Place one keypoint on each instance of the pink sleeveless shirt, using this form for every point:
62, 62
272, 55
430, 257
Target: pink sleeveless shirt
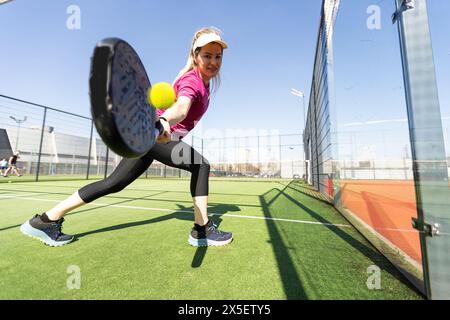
190, 85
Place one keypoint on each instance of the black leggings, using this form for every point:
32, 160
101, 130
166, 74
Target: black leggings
174, 154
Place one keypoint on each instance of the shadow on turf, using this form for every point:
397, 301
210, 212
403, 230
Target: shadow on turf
180, 214
291, 281
86, 210
218, 209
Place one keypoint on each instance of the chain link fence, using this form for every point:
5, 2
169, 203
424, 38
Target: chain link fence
55, 144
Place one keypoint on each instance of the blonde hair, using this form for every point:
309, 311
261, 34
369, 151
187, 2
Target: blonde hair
190, 64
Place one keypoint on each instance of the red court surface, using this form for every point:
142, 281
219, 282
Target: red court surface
388, 207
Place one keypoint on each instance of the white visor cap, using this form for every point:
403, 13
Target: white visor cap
206, 38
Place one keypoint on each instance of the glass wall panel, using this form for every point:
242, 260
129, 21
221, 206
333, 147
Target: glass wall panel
374, 178
427, 142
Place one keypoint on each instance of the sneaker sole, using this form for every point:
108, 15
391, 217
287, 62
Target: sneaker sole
28, 230
207, 243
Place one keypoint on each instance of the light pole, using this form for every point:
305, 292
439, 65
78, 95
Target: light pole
19, 122
300, 94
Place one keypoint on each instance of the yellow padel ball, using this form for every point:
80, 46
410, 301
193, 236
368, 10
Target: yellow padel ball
161, 95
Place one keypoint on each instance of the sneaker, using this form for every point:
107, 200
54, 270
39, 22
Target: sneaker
48, 232
209, 236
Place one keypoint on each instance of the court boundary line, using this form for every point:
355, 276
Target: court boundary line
187, 211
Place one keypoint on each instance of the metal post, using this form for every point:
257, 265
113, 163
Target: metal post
202, 147
316, 142
106, 162
259, 165
236, 160
73, 164
40, 146
17, 138
279, 151
304, 117
90, 150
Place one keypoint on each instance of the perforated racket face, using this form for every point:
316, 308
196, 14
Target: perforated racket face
133, 116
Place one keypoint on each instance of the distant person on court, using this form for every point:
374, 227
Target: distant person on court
3, 166
192, 86
12, 165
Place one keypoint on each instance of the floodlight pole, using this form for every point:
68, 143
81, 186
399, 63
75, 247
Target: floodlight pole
300, 94
19, 122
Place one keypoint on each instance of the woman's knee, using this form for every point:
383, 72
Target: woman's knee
203, 166
99, 189
114, 186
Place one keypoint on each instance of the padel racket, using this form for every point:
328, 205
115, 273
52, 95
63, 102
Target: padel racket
118, 86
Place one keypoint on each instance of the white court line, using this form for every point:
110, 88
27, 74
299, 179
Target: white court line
18, 195
280, 219
188, 211
211, 214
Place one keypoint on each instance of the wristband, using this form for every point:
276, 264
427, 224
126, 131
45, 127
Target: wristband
159, 127
164, 119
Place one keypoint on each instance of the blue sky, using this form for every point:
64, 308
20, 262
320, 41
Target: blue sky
272, 46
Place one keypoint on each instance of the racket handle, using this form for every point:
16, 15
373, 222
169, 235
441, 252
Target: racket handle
159, 129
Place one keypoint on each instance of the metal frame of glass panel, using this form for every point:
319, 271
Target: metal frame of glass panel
427, 145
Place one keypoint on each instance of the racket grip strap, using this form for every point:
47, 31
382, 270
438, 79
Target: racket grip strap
159, 129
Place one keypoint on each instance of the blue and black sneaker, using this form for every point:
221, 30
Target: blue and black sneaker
209, 235
48, 232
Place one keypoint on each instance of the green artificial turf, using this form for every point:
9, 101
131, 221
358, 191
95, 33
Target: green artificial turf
133, 245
